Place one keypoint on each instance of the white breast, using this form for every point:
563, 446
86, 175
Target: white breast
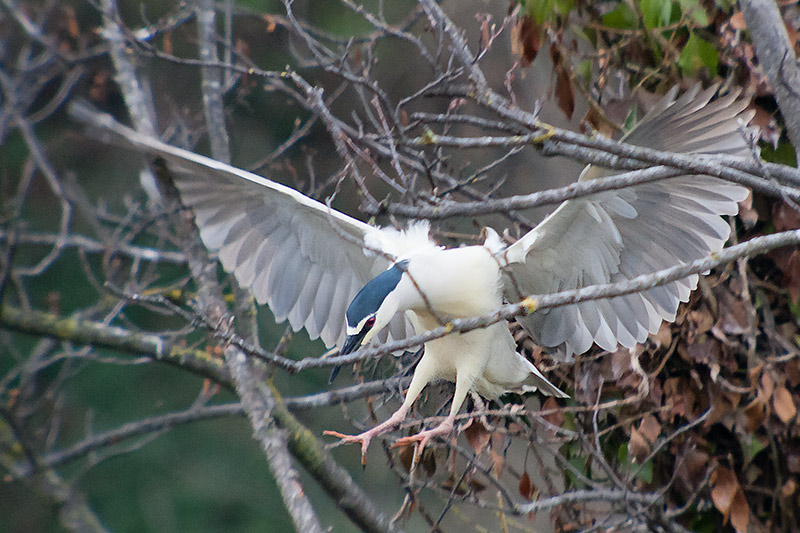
460, 282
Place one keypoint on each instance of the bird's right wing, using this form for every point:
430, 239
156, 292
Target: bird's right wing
296, 255
621, 234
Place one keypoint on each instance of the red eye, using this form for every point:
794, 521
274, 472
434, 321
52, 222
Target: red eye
370, 322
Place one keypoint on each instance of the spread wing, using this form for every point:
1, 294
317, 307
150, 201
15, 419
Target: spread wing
302, 259
617, 235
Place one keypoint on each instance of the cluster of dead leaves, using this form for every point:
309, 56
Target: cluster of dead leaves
484, 441
527, 37
714, 397
654, 55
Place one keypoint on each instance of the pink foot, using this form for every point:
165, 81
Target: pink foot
363, 438
423, 437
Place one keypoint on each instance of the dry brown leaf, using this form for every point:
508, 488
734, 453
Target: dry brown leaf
789, 488
754, 415
477, 436
737, 21
724, 487
783, 404
565, 94
785, 217
620, 363
477, 485
692, 466
733, 318
729, 499
271, 23
485, 34
747, 213
526, 488
740, 511
754, 375
650, 428
428, 461
406, 454
498, 461
721, 406
526, 39
792, 372
450, 484
700, 321
664, 336
791, 275
677, 394
599, 122
793, 464
766, 385
638, 445
73, 28
556, 416
706, 353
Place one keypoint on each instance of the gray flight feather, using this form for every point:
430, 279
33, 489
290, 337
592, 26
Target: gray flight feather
617, 235
305, 261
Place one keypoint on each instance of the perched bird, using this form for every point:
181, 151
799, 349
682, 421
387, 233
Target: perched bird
308, 262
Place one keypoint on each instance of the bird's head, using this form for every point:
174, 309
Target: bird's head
373, 307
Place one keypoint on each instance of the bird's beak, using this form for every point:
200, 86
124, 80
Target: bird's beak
351, 344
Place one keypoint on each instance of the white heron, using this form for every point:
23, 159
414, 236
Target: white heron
290, 251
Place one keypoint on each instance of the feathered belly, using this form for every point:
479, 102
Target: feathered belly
487, 356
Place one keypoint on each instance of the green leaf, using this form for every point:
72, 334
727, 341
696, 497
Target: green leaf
645, 471
631, 119
579, 463
541, 10
622, 18
656, 13
625, 460
784, 154
794, 307
564, 6
697, 54
695, 11
751, 445
584, 70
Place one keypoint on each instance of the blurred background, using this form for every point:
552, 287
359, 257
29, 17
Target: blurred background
58, 178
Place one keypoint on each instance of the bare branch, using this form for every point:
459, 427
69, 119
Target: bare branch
777, 58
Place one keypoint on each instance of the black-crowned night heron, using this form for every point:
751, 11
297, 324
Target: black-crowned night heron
290, 251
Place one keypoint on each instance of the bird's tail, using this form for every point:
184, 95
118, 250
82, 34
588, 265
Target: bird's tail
537, 381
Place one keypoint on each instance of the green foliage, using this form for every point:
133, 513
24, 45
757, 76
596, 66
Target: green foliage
694, 11
656, 13
622, 17
751, 446
784, 154
546, 10
698, 53
628, 464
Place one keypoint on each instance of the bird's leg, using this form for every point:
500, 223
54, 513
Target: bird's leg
463, 384
422, 375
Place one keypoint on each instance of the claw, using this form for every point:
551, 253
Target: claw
363, 438
367, 436
423, 437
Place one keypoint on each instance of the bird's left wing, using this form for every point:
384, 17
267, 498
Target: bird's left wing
296, 255
618, 235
